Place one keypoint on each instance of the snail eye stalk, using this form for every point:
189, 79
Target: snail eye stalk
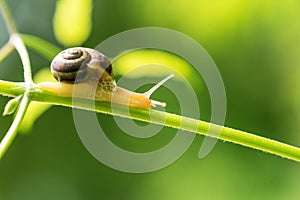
154, 88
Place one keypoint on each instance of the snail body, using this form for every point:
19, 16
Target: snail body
87, 73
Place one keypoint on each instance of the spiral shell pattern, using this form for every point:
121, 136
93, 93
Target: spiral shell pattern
70, 65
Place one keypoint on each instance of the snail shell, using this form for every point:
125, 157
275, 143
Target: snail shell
87, 73
71, 65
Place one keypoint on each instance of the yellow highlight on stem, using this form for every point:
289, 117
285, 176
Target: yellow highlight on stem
72, 21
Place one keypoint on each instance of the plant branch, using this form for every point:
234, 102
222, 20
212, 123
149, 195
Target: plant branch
8, 19
6, 50
17, 41
13, 130
159, 117
12, 89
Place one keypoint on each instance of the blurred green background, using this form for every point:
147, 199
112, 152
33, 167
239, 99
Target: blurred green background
255, 45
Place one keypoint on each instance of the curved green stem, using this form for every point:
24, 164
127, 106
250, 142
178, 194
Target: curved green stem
19, 45
13, 130
159, 117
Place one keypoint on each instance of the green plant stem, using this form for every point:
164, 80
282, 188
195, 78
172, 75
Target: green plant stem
17, 41
13, 130
11, 89
8, 19
6, 50
159, 117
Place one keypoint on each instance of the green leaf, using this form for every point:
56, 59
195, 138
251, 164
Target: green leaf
72, 21
12, 106
160, 60
41, 46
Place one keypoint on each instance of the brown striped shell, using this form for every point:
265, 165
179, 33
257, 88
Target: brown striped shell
72, 65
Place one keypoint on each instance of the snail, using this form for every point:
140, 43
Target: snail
87, 73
